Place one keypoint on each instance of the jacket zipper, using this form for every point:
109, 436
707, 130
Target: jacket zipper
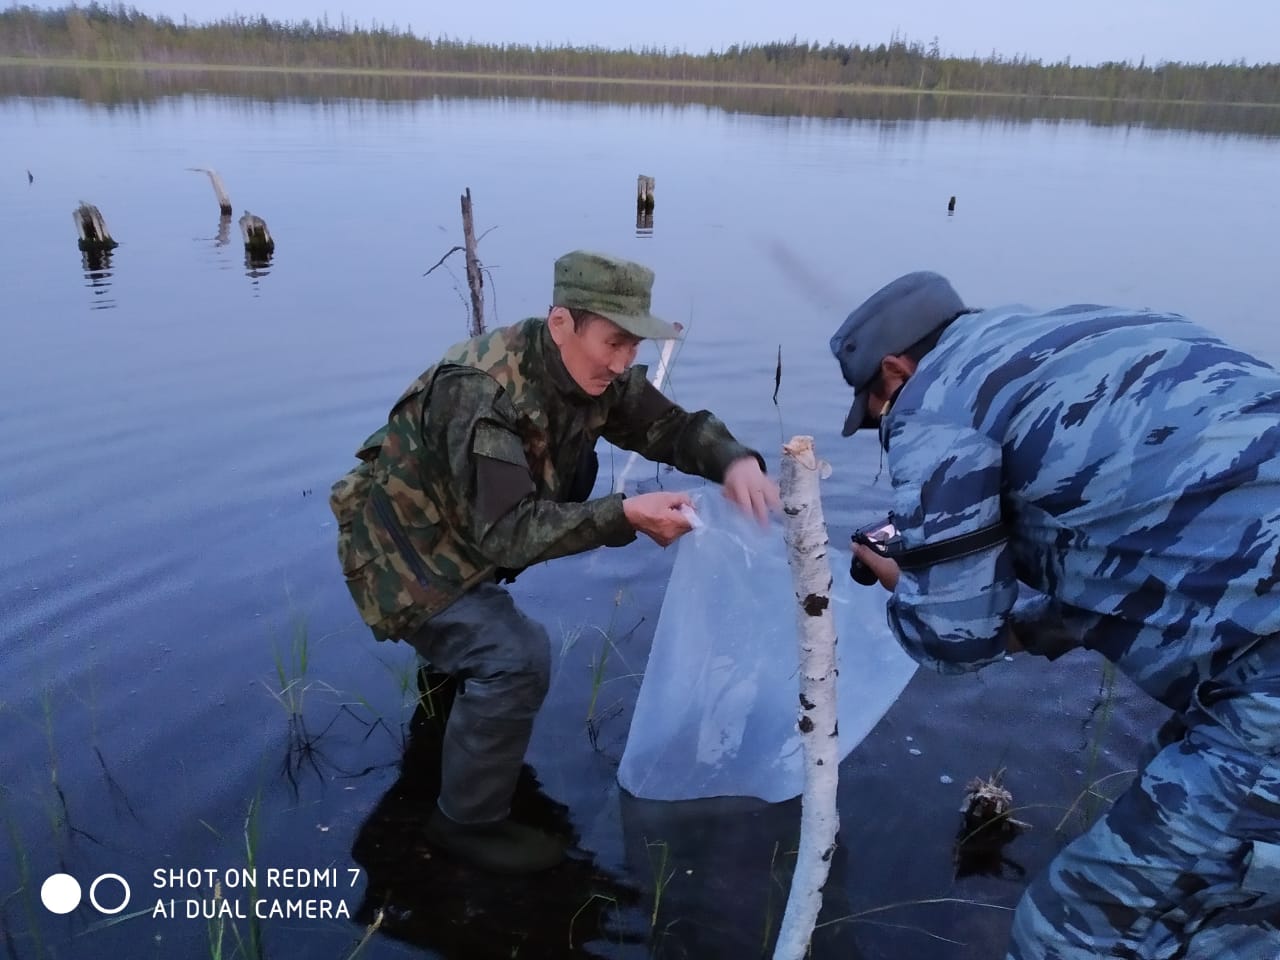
385, 513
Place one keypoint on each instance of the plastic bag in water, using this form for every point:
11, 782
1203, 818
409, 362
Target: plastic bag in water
719, 704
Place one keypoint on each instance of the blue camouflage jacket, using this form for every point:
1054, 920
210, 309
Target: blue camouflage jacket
1132, 457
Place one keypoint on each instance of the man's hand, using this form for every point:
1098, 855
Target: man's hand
747, 486
658, 516
886, 570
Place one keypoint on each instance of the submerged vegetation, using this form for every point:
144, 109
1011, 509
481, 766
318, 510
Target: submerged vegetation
124, 35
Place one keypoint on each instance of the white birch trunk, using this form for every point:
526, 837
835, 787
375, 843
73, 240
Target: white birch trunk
806, 537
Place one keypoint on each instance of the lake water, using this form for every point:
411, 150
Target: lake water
184, 681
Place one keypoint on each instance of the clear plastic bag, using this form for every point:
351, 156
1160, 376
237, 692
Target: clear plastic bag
718, 706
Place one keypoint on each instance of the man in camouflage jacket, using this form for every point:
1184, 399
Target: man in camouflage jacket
1120, 470
484, 467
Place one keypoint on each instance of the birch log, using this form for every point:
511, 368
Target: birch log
806, 537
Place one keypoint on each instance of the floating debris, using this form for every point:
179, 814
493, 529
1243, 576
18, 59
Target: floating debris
987, 803
986, 830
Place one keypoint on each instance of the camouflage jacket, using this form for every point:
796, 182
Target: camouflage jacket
415, 531
1132, 457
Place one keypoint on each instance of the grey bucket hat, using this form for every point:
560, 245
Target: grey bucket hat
892, 319
613, 288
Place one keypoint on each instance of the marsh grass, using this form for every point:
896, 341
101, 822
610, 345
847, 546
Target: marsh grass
606, 650
783, 888
864, 916
56, 809
25, 892
369, 931
601, 897
293, 665
223, 934
662, 876
1102, 712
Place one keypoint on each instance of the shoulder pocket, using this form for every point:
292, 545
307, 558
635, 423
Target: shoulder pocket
493, 441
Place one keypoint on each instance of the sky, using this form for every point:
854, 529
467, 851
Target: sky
1087, 31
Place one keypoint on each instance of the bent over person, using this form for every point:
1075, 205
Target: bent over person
1123, 469
484, 467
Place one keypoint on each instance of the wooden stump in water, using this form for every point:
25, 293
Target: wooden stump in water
94, 235
475, 281
644, 193
224, 202
257, 238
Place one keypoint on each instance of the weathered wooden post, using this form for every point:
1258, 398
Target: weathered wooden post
806, 536
474, 279
257, 238
94, 235
644, 193
224, 202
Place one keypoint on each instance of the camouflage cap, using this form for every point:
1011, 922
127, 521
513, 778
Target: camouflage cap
612, 288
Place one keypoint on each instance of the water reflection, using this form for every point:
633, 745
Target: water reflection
97, 272
644, 223
138, 88
574, 910
256, 265
721, 874
982, 852
223, 236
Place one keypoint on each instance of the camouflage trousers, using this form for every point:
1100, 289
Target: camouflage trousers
1186, 864
502, 662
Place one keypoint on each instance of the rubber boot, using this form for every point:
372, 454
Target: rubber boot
500, 847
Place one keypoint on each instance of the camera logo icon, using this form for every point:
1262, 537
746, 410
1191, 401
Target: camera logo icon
61, 893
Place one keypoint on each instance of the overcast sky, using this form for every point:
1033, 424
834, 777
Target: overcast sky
1088, 31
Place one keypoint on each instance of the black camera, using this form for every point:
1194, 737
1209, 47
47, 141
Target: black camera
880, 537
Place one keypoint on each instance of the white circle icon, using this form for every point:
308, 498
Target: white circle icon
60, 893
93, 893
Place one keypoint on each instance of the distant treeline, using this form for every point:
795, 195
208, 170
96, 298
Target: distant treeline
139, 88
120, 34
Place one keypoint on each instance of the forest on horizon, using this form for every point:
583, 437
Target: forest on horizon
122, 35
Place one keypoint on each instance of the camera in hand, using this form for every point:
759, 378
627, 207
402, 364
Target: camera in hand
880, 537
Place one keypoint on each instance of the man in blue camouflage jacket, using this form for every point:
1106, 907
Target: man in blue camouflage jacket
1125, 466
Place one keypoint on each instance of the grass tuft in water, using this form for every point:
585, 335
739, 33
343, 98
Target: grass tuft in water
662, 876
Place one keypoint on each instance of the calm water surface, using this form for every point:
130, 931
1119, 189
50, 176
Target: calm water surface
185, 683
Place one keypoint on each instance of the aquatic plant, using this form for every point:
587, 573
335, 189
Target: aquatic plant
661, 877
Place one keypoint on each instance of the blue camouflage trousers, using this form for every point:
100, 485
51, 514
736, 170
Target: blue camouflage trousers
1186, 864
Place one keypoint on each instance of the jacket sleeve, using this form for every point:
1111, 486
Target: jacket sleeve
503, 518
946, 482
647, 422
1046, 627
